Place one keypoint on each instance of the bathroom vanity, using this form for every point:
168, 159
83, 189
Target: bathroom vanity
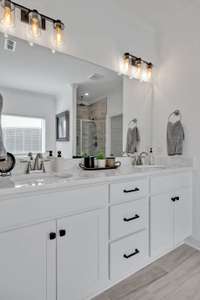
70, 236
74, 238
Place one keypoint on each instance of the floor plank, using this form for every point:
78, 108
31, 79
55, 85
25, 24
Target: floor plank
174, 276
175, 258
136, 282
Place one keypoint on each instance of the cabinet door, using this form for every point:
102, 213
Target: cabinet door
81, 255
161, 224
183, 216
28, 263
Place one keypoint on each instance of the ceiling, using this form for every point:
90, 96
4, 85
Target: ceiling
98, 90
37, 69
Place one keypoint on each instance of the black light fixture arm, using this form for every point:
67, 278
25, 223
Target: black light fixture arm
22, 7
136, 59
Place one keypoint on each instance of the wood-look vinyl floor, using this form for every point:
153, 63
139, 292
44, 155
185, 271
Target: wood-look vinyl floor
176, 276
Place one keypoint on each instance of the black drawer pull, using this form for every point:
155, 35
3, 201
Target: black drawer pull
132, 191
62, 232
131, 219
132, 254
175, 199
52, 235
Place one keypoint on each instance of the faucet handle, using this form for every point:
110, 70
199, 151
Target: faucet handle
42, 166
29, 168
30, 155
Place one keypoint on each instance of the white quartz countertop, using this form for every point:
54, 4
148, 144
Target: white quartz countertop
76, 178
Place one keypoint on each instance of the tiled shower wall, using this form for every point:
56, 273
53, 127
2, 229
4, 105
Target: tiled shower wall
94, 133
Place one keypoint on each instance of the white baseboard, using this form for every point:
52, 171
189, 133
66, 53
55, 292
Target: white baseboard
193, 243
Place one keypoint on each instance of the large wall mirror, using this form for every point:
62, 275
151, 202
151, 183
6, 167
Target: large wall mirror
58, 102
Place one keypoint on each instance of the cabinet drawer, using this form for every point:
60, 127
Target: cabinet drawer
128, 255
166, 183
128, 218
128, 191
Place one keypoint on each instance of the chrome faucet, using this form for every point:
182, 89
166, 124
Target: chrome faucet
140, 158
38, 165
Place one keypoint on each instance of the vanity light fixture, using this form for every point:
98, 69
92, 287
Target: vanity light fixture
135, 67
58, 33
7, 15
35, 20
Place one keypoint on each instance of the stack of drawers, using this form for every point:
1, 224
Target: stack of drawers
128, 227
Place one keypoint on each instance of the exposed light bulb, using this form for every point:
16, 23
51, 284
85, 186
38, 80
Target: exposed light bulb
125, 65
138, 68
146, 73
58, 33
35, 24
8, 14
133, 72
149, 71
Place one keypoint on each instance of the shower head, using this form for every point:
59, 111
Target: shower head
81, 103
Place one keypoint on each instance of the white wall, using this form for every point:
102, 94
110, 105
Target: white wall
65, 102
178, 87
138, 104
114, 108
25, 103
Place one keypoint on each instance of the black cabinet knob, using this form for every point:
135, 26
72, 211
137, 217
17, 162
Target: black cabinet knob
62, 232
52, 235
175, 198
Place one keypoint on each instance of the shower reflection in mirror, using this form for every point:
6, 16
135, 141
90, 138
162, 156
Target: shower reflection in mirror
99, 119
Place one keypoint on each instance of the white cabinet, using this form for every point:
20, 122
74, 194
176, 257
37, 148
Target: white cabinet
89, 240
128, 255
69, 257
170, 220
183, 216
128, 218
27, 263
128, 190
161, 224
81, 255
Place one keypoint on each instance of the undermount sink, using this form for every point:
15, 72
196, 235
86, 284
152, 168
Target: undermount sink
39, 179
150, 167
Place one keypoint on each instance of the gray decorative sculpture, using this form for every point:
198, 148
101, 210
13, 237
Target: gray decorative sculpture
3, 153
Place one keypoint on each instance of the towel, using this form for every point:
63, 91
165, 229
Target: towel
133, 140
3, 153
175, 138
